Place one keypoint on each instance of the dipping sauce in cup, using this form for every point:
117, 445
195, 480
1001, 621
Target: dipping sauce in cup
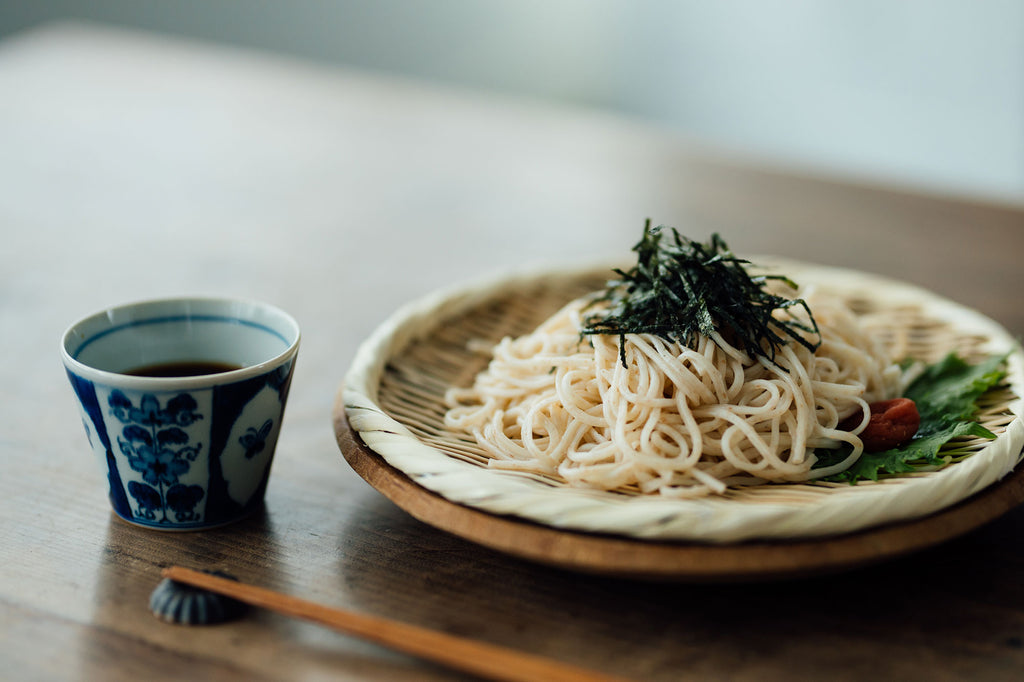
182, 401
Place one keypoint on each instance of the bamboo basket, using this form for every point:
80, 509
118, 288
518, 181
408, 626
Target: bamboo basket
393, 398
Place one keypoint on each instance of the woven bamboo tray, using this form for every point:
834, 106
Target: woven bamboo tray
389, 424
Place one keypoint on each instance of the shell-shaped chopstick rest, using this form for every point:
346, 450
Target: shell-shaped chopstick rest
182, 604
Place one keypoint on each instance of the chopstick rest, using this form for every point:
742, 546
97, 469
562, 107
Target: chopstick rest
182, 604
479, 658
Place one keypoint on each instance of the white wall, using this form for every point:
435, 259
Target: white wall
923, 93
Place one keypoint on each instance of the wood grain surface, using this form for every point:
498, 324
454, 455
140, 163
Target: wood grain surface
137, 166
462, 654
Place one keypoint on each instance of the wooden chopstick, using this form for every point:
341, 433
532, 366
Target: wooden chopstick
486, 660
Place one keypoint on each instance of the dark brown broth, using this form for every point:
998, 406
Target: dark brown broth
188, 368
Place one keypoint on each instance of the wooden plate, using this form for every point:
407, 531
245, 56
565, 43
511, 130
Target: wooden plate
389, 421
682, 561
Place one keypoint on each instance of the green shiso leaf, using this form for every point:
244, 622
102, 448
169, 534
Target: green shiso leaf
946, 395
949, 389
680, 289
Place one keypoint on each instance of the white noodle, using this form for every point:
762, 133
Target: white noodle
677, 421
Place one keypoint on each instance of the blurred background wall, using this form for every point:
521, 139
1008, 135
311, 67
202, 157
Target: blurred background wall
928, 94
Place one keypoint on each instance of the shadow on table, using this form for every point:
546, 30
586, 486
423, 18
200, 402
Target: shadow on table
956, 607
133, 557
132, 642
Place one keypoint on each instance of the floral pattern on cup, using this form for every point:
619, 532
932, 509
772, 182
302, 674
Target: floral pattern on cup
158, 448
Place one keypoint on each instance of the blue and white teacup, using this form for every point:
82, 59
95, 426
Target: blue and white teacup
182, 401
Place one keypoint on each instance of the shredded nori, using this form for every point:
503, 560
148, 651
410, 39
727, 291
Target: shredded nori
680, 289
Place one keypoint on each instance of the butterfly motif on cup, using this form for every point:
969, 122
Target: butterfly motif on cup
254, 440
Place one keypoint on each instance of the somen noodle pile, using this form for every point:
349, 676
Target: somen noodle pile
675, 412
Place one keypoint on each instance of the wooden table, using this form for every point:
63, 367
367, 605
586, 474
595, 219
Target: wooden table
134, 166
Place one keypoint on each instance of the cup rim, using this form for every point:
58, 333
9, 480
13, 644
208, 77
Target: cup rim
131, 381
